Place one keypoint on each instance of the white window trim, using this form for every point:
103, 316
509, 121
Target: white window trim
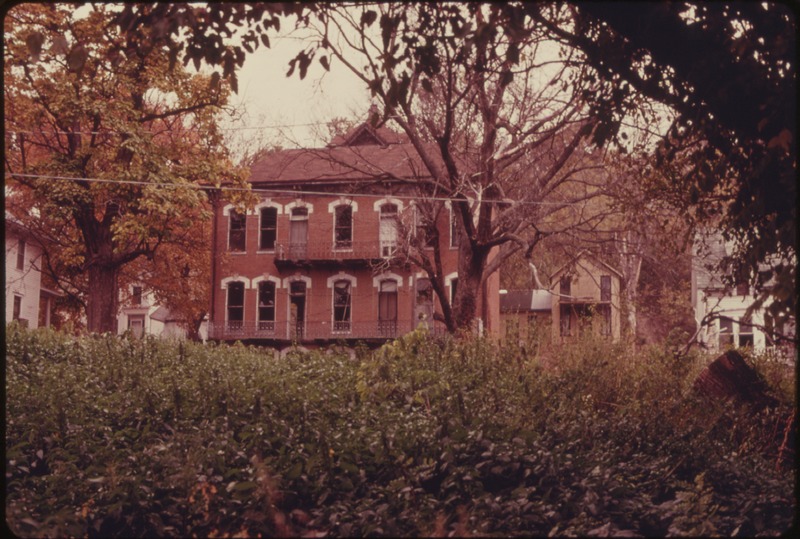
228, 207
376, 206
342, 201
271, 278
298, 204
292, 278
448, 281
267, 203
387, 276
226, 280
414, 207
235, 279
341, 276
449, 206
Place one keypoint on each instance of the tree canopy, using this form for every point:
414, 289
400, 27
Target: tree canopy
105, 147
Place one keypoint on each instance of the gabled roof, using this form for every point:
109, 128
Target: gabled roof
365, 153
576, 260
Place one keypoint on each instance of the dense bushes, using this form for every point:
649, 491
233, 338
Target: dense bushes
114, 437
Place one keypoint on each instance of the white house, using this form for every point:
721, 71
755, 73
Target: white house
721, 312
140, 314
27, 301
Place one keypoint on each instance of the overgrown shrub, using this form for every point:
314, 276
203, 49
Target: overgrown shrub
109, 436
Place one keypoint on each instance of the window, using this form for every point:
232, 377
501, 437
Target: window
136, 296
269, 229
17, 308
237, 232
343, 227
565, 286
455, 236
453, 288
341, 306
605, 288
725, 332
266, 306
565, 314
745, 332
21, 255
298, 232
387, 308
235, 305
388, 229
136, 325
424, 228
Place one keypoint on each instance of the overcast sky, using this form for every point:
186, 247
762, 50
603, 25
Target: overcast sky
270, 98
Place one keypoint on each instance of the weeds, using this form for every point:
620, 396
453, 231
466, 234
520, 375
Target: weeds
120, 437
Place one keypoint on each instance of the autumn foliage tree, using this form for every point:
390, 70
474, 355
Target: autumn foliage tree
105, 146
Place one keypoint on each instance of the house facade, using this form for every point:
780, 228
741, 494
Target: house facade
585, 296
525, 313
325, 255
27, 301
724, 314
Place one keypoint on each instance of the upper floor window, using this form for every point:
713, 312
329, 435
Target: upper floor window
269, 229
21, 254
455, 236
343, 227
565, 286
235, 304
425, 228
237, 232
605, 288
388, 229
341, 306
136, 296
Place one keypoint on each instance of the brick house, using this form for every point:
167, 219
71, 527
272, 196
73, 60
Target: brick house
320, 258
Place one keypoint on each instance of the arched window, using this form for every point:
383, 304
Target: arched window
387, 308
269, 228
237, 231
235, 305
388, 229
298, 232
342, 306
343, 227
266, 306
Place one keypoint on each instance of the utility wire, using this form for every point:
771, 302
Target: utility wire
279, 191
117, 132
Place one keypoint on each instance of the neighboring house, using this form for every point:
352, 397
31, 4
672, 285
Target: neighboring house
523, 312
318, 260
585, 297
721, 311
27, 301
141, 314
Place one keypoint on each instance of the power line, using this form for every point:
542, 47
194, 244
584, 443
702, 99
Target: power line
117, 132
279, 191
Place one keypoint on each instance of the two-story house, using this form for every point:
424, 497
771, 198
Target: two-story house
27, 301
724, 313
585, 297
320, 259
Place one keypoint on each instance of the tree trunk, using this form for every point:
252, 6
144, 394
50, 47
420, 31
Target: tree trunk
101, 309
471, 265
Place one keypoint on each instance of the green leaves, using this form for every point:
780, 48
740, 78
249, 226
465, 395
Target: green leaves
377, 445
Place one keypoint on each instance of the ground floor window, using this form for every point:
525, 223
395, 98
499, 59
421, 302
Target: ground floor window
136, 325
266, 306
235, 305
341, 306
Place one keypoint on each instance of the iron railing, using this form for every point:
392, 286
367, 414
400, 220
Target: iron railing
311, 331
334, 250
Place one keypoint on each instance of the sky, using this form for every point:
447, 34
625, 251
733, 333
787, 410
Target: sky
272, 99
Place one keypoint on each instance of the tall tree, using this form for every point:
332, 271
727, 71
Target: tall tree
728, 70
497, 120
104, 146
